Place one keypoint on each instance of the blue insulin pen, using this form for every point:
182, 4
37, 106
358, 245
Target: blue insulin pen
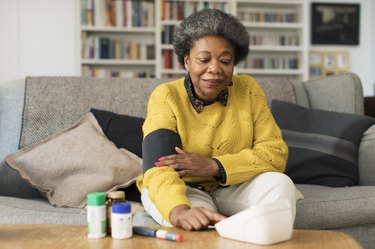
158, 233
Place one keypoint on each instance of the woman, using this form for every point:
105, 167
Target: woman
211, 146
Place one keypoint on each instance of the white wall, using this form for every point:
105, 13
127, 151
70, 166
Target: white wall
361, 56
38, 37
9, 31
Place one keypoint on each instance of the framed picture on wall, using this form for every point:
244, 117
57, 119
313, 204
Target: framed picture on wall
324, 63
335, 23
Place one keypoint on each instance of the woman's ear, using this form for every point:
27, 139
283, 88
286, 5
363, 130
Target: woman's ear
187, 63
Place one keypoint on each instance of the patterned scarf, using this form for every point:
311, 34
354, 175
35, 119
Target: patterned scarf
199, 104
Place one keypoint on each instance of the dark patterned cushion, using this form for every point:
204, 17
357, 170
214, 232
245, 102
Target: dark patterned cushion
323, 145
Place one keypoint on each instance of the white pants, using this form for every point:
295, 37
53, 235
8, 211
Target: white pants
265, 188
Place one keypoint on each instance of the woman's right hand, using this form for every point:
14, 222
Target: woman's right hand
197, 218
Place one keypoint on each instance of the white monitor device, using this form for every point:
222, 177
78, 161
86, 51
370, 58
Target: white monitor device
263, 224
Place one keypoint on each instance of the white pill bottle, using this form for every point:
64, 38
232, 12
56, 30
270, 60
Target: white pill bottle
121, 220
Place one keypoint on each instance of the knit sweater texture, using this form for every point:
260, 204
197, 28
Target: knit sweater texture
242, 135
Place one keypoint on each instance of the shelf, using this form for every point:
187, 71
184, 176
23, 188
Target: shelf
269, 72
117, 62
271, 2
173, 71
118, 29
166, 46
270, 25
276, 48
170, 22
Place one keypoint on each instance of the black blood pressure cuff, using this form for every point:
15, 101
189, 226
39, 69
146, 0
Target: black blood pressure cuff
157, 144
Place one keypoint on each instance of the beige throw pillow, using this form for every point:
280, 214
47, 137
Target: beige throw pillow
69, 165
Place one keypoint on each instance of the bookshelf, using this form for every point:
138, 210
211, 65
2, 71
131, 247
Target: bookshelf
118, 38
278, 37
134, 38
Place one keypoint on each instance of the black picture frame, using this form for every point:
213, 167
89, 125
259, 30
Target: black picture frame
335, 23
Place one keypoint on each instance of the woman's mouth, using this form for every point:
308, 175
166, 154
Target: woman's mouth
213, 82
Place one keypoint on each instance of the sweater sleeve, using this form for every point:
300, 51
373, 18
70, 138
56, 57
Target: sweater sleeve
165, 187
269, 152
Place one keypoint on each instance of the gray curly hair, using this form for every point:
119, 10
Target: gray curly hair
211, 22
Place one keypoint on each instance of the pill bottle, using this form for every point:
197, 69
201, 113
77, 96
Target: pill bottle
96, 215
113, 197
121, 219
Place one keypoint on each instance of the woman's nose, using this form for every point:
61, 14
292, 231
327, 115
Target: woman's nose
214, 66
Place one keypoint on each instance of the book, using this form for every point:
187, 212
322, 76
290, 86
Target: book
119, 14
104, 44
150, 51
167, 58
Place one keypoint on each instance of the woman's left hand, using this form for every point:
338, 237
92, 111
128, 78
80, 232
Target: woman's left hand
189, 164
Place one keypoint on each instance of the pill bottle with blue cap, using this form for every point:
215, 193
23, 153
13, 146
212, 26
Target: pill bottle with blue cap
96, 215
121, 220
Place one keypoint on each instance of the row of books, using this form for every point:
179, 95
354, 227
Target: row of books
277, 62
272, 17
117, 13
167, 34
95, 47
178, 10
275, 40
170, 60
98, 72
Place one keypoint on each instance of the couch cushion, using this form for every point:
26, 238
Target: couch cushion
56, 103
328, 208
39, 211
68, 166
323, 145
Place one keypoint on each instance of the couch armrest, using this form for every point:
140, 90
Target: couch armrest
340, 93
12, 94
366, 158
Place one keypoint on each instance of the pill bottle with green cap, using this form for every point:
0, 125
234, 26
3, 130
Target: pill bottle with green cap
96, 215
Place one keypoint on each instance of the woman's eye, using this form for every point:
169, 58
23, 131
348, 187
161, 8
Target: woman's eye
226, 62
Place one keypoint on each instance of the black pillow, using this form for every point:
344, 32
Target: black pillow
123, 130
323, 145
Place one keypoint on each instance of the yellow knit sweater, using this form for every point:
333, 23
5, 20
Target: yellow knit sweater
243, 136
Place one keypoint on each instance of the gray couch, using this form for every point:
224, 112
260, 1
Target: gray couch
347, 209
